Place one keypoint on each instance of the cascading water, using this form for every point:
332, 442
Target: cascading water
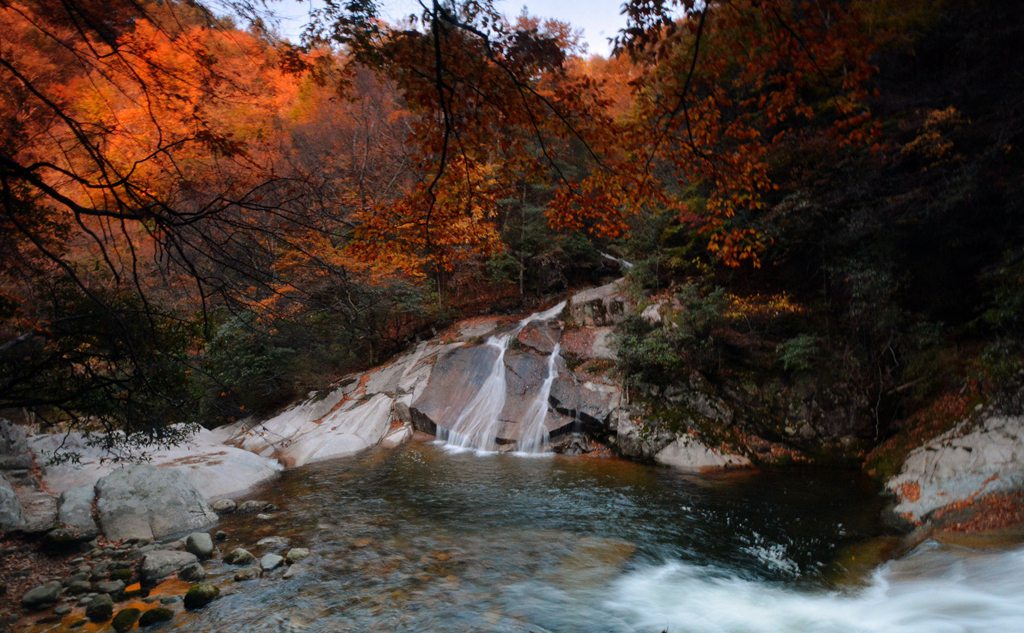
477, 425
534, 436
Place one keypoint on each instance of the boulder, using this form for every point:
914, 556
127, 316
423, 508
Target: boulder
270, 562
200, 595
239, 556
75, 511
42, 596
38, 509
125, 619
223, 506
11, 517
145, 502
687, 453
963, 464
161, 563
296, 554
100, 608
155, 616
200, 544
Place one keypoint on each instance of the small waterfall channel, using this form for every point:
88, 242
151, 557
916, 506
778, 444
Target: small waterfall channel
477, 425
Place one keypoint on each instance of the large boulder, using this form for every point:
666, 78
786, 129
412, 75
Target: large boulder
689, 454
11, 517
146, 502
161, 563
75, 511
968, 462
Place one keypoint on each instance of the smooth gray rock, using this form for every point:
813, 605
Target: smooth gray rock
11, 517
100, 608
75, 511
270, 562
296, 554
146, 502
223, 506
239, 556
38, 508
192, 573
42, 595
687, 453
113, 587
200, 544
162, 563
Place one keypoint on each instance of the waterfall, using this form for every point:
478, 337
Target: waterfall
477, 425
535, 434
623, 264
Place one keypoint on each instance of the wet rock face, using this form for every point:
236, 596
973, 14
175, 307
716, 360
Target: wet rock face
689, 454
145, 502
961, 465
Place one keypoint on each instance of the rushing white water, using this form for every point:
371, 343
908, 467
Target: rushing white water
621, 262
930, 591
477, 425
534, 436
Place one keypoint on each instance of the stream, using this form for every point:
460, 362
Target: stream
428, 540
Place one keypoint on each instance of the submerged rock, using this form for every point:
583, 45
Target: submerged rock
270, 562
296, 554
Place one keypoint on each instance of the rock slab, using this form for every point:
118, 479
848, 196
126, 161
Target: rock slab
145, 502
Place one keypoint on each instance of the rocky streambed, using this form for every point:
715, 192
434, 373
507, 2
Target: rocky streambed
540, 384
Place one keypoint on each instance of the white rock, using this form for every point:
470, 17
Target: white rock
143, 501
961, 465
689, 454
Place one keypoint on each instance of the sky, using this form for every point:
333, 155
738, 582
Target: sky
599, 19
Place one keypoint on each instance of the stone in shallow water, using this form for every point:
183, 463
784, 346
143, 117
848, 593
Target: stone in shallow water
125, 619
247, 573
100, 608
155, 616
270, 562
200, 544
239, 556
161, 563
296, 554
273, 542
200, 595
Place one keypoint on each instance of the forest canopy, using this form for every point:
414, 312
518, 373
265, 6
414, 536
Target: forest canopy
202, 220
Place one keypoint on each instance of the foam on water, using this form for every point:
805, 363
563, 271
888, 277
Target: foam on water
928, 592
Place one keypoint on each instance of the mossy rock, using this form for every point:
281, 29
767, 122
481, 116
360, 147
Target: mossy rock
156, 616
125, 619
200, 595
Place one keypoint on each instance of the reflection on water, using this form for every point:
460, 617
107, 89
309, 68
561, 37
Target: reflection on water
418, 539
